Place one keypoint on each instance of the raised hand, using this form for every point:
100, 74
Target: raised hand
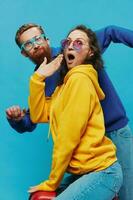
50, 68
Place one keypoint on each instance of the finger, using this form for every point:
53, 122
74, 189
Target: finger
15, 111
18, 110
8, 111
45, 61
13, 108
34, 189
58, 60
60, 56
31, 190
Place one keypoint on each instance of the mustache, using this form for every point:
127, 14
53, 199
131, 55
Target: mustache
37, 50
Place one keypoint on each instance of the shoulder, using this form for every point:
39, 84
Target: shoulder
79, 82
79, 77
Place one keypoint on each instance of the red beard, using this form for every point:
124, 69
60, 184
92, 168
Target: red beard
39, 54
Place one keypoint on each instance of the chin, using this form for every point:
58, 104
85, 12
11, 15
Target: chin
37, 60
70, 66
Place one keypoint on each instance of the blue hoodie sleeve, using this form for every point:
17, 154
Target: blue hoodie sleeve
24, 125
114, 34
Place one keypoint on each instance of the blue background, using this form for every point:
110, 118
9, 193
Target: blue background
25, 159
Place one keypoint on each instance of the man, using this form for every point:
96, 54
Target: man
34, 45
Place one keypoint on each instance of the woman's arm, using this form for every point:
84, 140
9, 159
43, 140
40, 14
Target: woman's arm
39, 104
73, 121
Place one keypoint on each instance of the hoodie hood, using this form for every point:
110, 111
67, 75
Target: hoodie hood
89, 71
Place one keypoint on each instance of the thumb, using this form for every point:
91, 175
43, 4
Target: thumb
45, 61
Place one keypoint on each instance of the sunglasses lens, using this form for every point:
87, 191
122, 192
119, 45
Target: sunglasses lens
65, 43
77, 44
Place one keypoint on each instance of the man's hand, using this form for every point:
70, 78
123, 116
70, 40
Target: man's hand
15, 113
50, 68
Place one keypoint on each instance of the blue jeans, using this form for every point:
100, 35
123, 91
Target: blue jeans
123, 139
102, 185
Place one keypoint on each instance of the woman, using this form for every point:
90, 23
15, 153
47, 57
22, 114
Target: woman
76, 122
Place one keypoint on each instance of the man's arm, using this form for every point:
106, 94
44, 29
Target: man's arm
20, 119
114, 34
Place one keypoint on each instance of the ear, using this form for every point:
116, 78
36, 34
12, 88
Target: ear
24, 53
91, 53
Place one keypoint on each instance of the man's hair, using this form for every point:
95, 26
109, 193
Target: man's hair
95, 59
24, 28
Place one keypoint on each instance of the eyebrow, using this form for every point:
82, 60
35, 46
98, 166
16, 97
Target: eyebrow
77, 39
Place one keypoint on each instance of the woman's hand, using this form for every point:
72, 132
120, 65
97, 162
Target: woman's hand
36, 191
42, 195
50, 68
33, 189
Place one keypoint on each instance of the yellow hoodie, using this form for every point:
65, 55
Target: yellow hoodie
76, 123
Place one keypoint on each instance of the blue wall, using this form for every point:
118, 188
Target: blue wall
25, 159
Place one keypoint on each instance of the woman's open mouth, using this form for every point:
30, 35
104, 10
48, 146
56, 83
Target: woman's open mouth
70, 58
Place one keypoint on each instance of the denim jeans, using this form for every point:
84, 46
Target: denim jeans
102, 185
123, 139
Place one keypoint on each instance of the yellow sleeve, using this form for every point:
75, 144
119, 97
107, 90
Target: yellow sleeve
73, 121
39, 105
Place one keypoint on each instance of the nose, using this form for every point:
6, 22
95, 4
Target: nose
35, 45
70, 46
